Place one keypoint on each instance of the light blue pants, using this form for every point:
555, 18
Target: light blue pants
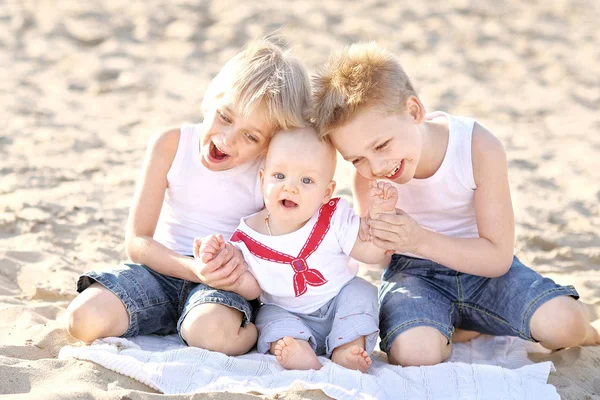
353, 313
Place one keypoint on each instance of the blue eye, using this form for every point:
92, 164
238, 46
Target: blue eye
278, 176
306, 181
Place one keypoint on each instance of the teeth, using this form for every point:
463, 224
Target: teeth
393, 172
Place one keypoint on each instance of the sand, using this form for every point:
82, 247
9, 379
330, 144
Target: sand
86, 83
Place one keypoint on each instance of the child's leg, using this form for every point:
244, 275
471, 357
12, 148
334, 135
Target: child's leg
563, 322
96, 313
355, 325
127, 301
461, 336
219, 328
217, 320
525, 304
287, 337
419, 346
417, 311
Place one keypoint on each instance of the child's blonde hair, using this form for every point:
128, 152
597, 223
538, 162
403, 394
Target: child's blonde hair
359, 76
264, 74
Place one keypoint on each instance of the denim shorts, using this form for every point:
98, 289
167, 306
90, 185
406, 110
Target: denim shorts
349, 315
419, 292
156, 303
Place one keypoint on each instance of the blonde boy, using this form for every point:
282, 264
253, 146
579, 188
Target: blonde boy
197, 180
453, 230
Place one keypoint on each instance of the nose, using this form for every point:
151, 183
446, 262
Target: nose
290, 187
229, 137
377, 169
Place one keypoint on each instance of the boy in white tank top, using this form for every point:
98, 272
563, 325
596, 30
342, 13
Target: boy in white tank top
197, 180
453, 232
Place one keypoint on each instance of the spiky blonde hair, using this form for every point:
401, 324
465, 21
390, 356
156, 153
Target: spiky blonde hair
358, 76
264, 74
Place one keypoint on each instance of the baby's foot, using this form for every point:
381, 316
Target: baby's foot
294, 354
593, 334
354, 357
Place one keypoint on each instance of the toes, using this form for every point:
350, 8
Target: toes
288, 340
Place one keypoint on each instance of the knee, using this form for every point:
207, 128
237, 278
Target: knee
418, 347
562, 322
209, 333
83, 321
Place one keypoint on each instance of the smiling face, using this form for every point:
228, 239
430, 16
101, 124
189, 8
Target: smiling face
380, 145
230, 138
297, 178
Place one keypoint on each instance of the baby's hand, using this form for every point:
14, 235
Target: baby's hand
208, 247
382, 197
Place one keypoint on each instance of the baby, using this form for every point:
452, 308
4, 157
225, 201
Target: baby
298, 251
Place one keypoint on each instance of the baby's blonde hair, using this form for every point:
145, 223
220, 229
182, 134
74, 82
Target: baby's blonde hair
264, 74
359, 76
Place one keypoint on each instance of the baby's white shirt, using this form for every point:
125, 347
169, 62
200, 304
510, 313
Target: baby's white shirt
331, 259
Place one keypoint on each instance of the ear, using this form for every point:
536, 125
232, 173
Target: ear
261, 176
415, 109
329, 191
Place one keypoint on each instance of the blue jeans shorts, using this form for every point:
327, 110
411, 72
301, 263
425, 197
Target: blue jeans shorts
349, 315
419, 292
156, 303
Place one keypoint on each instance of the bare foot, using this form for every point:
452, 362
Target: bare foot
354, 357
593, 334
295, 354
461, 335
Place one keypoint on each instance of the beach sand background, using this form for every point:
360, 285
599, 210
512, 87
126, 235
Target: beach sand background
85, 84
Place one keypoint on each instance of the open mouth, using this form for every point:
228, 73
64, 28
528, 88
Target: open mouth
396, 172
288, 203
216, 154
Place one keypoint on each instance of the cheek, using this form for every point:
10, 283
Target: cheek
364, 170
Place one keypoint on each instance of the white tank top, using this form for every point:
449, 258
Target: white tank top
200, 202
444, 202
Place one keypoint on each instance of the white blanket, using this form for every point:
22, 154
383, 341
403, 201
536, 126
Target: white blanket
485, 368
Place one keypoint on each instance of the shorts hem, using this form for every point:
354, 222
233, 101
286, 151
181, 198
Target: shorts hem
388, 340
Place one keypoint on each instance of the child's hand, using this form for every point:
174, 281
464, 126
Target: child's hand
382, 197
223, 268
396, 232
207, 248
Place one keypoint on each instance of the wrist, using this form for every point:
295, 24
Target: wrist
421, 241
191, 267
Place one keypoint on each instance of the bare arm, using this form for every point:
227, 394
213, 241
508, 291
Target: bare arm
360, 192
381, 199
248, 287
143, 217
490, 254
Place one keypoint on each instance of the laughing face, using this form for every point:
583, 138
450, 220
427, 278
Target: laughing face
231, 139
297, 178
381, 146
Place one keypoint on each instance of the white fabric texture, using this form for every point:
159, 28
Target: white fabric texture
485, 368
201, 202
443, 202
331, 259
